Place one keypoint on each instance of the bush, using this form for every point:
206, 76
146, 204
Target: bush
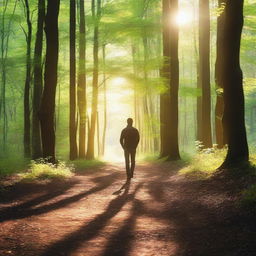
204, 163
43, 170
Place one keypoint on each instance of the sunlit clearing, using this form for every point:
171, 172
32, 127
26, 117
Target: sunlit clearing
120, 100
118, 81
114, 154
183, 18
118, 53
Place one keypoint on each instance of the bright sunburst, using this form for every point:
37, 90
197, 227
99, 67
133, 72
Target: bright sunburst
183, 18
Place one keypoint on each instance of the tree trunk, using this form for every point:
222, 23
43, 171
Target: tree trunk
204, 72
219, 108
165, 136
98, 133
26, 141
199, 97
72, 82
91, 135
146, 112
105, 100
81, 92
233, 117
38, 83
47, 108
174, 85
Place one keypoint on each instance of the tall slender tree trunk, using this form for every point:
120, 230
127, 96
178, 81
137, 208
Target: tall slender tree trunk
146, 110
199, 97
4, 54
174, 85
72, 82
26, 141
98, 133
105, 100
219, 108
96, 12
233, 117
165, 123
38, 83
204, 72
81, 92
47, 108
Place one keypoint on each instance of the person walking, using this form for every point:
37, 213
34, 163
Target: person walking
129, 141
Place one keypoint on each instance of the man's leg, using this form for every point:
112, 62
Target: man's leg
127, 166
133, 154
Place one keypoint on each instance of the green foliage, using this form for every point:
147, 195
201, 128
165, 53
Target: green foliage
204, 163
249, 85
218, 10
42, 170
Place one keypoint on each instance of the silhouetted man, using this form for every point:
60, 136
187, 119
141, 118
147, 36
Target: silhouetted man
129, 140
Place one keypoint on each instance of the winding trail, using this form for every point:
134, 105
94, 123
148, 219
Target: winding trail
97, 214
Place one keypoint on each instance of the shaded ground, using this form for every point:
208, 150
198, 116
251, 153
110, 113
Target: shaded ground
97, 214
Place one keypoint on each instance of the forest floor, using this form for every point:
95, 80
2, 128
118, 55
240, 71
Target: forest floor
96, 214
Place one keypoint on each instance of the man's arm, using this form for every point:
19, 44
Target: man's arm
122, 139
138, 138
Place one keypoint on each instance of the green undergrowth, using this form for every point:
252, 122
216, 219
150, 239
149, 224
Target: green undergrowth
204, 163
12, 164
42, 170
185, 159
81, 165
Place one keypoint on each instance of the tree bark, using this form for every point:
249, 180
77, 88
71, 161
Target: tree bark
26, 139
72, 82
233, 117
174, 85
204, 72
105, 100
219, 108
47, 108
38, 83
81, 92
91, 135
165, 136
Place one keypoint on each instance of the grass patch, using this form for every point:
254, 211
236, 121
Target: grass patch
185, 158
81, 165
11, 165
149, 158
41, 170
204, 163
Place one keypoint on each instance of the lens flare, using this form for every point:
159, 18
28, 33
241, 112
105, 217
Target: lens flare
183, 18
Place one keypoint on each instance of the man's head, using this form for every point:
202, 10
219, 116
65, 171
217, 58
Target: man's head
129, 121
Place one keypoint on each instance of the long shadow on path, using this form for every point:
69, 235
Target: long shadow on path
90, 230
25, 209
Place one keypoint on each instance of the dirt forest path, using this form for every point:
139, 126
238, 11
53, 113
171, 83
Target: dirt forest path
158, 213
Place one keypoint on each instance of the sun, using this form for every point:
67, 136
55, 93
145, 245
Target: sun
117, 81
183, 18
